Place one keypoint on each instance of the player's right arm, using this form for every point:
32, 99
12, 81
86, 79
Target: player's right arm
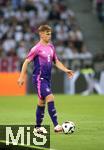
23, 72
33, 52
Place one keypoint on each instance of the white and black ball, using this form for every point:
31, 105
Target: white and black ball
68, 127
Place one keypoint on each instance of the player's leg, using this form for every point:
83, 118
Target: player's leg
39, 117
52, 112
40, 107
47, 96
51, 109
41, 102
40, 112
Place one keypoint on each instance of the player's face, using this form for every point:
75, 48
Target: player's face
46, 36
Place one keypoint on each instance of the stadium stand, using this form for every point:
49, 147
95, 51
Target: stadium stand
19, 21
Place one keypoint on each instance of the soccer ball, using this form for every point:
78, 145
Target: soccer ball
68, 127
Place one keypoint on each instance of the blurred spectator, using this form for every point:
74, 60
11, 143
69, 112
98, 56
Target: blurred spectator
16, 4
21, 50
76, 37
99, 9
9, 44
98, 5
61, 30
54, 13
18, 35
3, 3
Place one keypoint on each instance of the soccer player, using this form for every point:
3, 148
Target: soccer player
43, 54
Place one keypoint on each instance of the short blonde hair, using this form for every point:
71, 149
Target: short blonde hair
43, 28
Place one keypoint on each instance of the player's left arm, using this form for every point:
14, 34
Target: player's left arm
60, 66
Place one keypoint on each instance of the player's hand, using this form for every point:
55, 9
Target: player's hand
70, 73
20, 81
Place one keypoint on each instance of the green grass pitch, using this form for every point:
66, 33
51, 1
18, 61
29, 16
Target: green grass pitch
87, 112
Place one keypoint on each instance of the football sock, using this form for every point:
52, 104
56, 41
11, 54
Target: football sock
39, 115
52, 112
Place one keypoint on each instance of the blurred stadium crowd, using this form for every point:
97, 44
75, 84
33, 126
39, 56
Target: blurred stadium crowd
19, 20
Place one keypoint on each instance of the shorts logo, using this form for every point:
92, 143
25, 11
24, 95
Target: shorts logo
41, 78
47, 89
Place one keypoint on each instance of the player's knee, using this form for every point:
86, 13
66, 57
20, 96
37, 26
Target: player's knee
50, 98
41, 103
